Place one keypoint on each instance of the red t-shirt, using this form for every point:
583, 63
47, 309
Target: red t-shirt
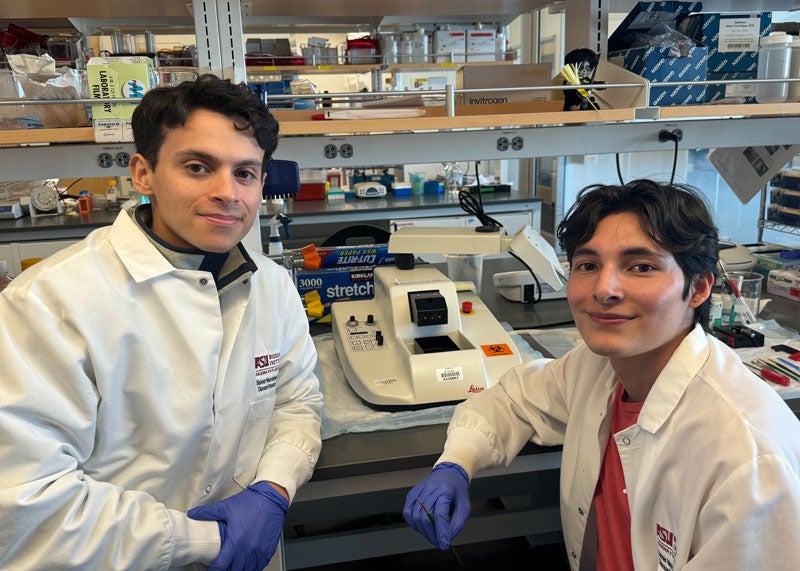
610, 499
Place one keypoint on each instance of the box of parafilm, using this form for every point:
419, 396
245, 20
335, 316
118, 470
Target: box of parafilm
122, 77
117, 78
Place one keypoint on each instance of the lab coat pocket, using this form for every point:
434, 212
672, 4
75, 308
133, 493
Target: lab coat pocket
252, 440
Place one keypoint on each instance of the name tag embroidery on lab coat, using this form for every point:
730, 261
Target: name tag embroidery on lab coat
267, 371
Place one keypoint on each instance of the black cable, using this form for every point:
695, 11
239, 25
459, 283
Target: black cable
63, 195
619, 171
674, 161
535, 279
675, 136
474, 206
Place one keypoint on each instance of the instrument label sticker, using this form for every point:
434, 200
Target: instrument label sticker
389, 381
449, 374
497, 350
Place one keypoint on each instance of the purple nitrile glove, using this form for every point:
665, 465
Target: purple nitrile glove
445, 495
250, 525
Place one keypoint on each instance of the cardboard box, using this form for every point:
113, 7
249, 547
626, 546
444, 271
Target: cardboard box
112, 130
784, 283
449, 45
744, 91
658, 64
481, 45
732, 39
326, 285
128, 77
515, 75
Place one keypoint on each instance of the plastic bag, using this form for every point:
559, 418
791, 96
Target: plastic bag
664, 37
40, 79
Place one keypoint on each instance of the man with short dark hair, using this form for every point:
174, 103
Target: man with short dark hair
675, 455
158, 366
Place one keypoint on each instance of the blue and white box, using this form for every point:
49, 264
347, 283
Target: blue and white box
685, 63
732, 39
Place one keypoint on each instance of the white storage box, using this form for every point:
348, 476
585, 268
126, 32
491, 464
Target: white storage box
784, 283
450, 45
481, 45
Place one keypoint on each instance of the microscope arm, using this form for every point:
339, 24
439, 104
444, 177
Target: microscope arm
540, 257
527, 245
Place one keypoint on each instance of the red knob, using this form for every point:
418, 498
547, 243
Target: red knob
466, 307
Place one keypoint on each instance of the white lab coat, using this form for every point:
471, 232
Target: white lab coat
712, 466
137, 391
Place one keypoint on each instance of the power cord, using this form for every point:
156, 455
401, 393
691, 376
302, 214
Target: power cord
676, 135
474, 206
538, 297
62, 195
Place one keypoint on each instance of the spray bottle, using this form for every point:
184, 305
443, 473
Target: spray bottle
275, 243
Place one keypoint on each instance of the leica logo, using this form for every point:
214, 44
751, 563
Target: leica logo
474, 389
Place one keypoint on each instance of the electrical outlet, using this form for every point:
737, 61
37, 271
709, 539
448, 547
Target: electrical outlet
346, 151
123, 159
502, 144
105, 160
517, 143
330, 151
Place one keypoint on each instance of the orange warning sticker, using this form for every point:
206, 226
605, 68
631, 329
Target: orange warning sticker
497, 350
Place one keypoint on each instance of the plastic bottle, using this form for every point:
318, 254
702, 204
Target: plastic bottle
85, 203
388, 48
405, 48
500, 46
419, 46
774, 62
5, 279
794, 88
112, 195
453, 178
275, 242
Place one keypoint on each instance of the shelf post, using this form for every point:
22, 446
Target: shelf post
219, 37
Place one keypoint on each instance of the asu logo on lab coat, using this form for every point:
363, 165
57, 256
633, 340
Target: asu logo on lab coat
667, 548
267, 371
